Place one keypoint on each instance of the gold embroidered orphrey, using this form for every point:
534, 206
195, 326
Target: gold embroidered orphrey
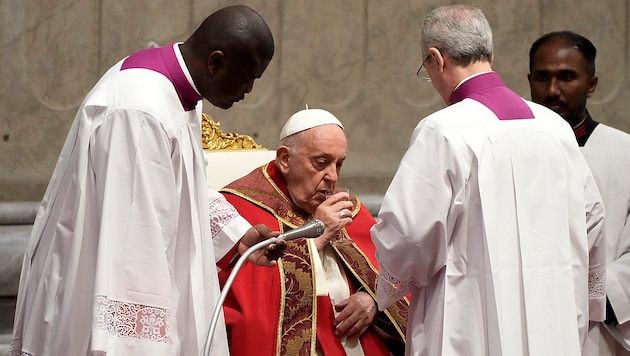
297, 322
213, 139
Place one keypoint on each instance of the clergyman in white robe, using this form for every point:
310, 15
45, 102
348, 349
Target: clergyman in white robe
121, 258
494, 224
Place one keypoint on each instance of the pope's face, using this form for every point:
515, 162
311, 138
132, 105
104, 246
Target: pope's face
313, 169
559, 80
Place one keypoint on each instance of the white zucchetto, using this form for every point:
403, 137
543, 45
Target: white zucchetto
307, 119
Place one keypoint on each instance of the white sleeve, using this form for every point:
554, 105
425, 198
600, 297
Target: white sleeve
597, 248
618, 277
416, 217
618, 288
618, 283
227, 226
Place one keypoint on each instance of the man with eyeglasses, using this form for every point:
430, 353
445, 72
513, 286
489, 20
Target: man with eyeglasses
422, 71
562, 78
493, 221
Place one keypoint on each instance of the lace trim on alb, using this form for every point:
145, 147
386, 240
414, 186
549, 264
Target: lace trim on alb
221, 213
392, 286
597, 285
15, 349
131, 320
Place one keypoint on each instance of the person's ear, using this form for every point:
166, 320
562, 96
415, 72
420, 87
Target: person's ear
438, 58
215, 61
592, 85
283, 153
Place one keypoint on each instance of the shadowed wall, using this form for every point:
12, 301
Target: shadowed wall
356, 58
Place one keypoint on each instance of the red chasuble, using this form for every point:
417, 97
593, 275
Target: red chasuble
275, 311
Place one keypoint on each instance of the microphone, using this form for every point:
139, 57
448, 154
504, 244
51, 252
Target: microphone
313, 228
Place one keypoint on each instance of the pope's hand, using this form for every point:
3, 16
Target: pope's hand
335, 212
356, 315
263, 257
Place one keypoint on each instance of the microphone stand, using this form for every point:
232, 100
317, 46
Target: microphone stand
313, 228
226, 289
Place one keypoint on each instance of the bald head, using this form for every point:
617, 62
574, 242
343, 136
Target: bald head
236, 27
227, 53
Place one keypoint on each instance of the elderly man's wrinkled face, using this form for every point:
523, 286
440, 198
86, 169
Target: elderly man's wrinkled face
313, 168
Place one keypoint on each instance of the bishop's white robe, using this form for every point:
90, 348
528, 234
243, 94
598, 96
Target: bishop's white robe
121, 258
607, 152
484, 224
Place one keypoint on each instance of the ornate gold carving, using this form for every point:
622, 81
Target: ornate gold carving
214, 139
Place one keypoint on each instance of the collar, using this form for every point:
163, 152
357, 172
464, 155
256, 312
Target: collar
488, 89
469, 77
475, 83
182, 64
277, 177
169, 62
584, 129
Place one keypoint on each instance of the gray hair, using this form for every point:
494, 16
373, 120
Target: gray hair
294, 142
459, 31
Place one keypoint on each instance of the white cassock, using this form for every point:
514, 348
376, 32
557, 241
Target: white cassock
484, 224
607, 152
121, 258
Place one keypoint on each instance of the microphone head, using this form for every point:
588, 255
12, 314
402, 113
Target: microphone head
313, 228
319, 227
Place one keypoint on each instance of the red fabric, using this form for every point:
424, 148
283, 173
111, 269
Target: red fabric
331, 344
252, 307
325, 317
251, 310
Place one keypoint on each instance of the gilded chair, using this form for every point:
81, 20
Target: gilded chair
230, 155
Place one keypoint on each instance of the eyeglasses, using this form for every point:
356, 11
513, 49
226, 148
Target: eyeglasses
422, 71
